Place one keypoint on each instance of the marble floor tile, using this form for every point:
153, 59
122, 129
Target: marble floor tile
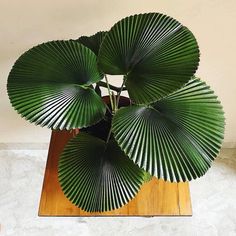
21, 176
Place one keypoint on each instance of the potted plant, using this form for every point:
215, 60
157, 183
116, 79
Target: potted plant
170, 127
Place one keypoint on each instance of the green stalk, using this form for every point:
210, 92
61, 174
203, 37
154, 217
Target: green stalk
108, 136
109, 110
109, 92
112, 87
119, 93
112, 105
115, 99
115, 102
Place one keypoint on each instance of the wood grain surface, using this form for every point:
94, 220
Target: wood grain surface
156, 198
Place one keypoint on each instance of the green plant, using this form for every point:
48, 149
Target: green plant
172, 129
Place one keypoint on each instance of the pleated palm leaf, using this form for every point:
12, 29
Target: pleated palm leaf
171, 128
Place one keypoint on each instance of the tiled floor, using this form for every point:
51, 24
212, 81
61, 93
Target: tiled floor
21, 175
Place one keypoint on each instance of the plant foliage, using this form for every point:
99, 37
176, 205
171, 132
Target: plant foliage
171, 128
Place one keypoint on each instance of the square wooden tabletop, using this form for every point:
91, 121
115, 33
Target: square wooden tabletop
156, 198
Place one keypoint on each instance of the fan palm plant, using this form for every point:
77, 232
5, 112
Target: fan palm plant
171, 128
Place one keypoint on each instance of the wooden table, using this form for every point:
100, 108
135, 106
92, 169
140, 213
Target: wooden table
156, 198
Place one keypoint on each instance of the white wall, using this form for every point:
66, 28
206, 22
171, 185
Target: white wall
25, 23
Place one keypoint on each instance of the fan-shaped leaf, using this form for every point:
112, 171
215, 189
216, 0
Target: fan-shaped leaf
49, 83
176, 138
93, 42
96, 176
156, 52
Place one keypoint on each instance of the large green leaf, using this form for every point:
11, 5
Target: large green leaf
175, 138
93, 42
96, 176
156, 52
50, 85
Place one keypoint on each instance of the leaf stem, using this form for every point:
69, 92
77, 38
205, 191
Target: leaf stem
108, 136
119, 93
114, 100
112, 87
109, 92
109, 110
